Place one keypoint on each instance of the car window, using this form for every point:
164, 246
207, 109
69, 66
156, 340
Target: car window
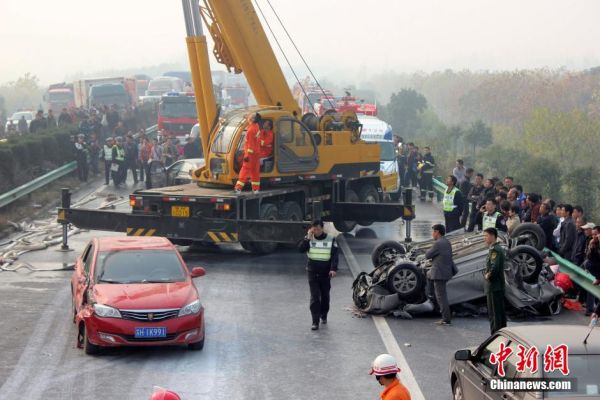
493, 346
139, 266
87, 259
586, 368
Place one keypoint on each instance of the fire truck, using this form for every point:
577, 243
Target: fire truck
177, 114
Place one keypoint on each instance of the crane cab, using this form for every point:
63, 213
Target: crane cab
298, 152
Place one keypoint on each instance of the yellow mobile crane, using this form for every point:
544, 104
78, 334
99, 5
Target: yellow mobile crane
321, 167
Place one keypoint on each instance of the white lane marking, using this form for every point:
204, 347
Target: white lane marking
391, 344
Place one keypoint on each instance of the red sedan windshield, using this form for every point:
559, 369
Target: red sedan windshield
139, 266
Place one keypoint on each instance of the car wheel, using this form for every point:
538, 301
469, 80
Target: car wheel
387, 252
530, 234
457, 391
347, 226
88, 347
528, 260
406, 280
196, 346
368, 194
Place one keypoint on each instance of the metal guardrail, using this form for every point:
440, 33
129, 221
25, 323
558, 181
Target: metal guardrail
39, 182
576, 273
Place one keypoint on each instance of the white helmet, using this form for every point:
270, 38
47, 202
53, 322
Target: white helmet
384, 364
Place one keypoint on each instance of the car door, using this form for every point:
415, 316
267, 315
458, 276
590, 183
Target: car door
172, 173
479, 370
82, 280
295, 147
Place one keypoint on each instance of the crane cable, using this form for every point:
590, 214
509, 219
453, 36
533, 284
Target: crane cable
300, 54
283, 52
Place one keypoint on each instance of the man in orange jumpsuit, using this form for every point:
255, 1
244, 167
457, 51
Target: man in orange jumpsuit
251, 165
385, 369
266, 142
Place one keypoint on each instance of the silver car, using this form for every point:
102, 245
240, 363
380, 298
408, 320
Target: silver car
471, 370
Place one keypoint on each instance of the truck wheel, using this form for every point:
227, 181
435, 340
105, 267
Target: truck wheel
347, 226
291, 211
530, 234
268, 212
406, 280
528, 260
387, 252
368, 194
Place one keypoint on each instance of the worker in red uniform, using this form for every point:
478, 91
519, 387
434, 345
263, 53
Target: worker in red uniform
266, 144
251, 164
385, 369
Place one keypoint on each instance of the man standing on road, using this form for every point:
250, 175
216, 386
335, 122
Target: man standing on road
442, 270
322, 252
118, 162
428, 166
452, 204
385, 369
494, 281
107, 157
131, 157
568, 233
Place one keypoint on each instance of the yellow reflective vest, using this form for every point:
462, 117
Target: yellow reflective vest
448, 202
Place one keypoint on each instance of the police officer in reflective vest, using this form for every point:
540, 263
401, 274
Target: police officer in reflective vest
118, 162
452, 204
322, 252
491, 218
107, 157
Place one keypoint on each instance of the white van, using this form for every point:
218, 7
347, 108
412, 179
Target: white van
376, 130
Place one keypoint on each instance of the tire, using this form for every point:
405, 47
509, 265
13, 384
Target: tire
291, 211
528, 260
386, 252
457, 391
202, 247
530, 234
268, 212
368, 194
89, 348
347, 226
196, 346
406, 280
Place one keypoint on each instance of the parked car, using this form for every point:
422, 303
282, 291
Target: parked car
471, 370
135, 291
401, 269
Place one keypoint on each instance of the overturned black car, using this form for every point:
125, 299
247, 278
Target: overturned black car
398, 281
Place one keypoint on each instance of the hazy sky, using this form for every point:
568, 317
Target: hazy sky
59, 38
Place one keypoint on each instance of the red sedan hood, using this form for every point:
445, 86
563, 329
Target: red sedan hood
145, 296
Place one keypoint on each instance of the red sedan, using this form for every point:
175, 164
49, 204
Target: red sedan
135, 291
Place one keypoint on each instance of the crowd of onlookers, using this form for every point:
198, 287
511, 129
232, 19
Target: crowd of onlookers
567, 229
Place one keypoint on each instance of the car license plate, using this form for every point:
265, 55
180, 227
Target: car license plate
180, 211
159, 332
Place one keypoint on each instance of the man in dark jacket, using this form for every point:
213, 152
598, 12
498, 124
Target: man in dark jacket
465, 188
578, 254
131, 156
39, 123
441, 272
547, 222
322, 251
591, 263
568, 232
494, 283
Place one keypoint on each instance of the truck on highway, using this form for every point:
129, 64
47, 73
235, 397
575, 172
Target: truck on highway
105, 91
177, 114
321, 167
59, 96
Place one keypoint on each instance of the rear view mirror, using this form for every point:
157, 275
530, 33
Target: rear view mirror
462, 355
198, 272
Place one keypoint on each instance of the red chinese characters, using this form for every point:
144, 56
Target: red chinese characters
499, 357
557, 358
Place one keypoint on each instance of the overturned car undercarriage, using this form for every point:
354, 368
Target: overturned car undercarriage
398, 282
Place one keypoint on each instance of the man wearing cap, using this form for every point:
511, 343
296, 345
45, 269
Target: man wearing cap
385, 369
494, 280
106, 155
